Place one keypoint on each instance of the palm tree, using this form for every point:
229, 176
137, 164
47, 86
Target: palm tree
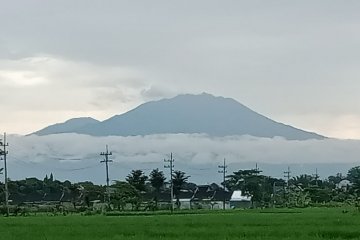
179, 179
157, 180
303, 180
137, 179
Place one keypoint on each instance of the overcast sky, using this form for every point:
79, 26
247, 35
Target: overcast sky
296, 62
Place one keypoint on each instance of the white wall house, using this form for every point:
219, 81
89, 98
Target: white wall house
238, 200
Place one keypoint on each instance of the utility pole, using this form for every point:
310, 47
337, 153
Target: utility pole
287, 175
107, 161
171, 167
223, 171
316, 176
287, 190
4, 153
257, 170
274, 194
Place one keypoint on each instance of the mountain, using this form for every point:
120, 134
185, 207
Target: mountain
67, 127
204, 113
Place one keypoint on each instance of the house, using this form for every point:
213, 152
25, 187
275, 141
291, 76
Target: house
218, 199
206, 197
237, 200
37, 199
344, 185
185, 199
200, 197
162, 198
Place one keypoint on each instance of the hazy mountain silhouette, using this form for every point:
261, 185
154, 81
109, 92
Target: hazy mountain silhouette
69, 126
204, 113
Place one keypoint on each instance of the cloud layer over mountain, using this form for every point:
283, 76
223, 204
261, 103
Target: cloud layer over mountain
76, 157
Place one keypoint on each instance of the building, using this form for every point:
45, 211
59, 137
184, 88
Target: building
238, 200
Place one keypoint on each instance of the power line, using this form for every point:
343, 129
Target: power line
171, 167
75, 169
106, 161
4, 152
200, 169
223, 171
36, 165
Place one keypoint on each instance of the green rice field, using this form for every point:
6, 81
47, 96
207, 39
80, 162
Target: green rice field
250, 224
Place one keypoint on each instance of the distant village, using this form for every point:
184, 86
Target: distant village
244, 188
138, 192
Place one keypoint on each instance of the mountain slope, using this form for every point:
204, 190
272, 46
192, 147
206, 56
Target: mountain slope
215, 116
67, 127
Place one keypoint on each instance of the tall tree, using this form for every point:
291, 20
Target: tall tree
251, 183
137, 179
304, 180
157, 179
125, 193
354, 177
51, 179
179, 180
46, 179
242, 180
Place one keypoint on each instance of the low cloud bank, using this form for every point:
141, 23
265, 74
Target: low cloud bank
77, 157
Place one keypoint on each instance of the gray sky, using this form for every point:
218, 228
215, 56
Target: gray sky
294, 61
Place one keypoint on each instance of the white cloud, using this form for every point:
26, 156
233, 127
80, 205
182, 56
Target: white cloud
20, 78
63, 154
34, 87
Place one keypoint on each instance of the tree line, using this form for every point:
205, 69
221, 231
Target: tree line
265, 191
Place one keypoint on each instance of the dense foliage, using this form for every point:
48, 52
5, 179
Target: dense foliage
265, 191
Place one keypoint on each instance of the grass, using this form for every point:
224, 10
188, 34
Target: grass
250, 224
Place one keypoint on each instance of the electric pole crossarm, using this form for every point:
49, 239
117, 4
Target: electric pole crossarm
107, 161
223, 171
316, 176
4, 152
287, 175
171, 167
